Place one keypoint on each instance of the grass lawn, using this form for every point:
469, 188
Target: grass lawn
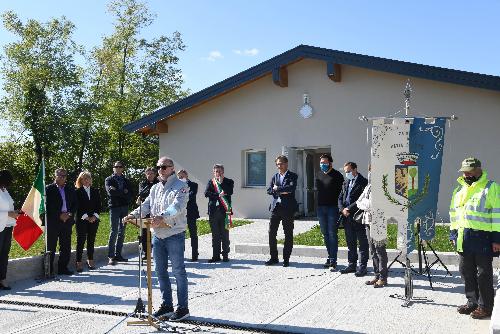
314, 237
103, 235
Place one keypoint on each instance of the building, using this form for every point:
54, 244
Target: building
248, 119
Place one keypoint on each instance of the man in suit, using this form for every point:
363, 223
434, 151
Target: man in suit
119, 190
219, 191
192, 212
352, 188
283, 207
61, 207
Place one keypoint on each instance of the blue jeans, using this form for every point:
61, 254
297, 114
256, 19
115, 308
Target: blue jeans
328, 216
117, 233
173, 248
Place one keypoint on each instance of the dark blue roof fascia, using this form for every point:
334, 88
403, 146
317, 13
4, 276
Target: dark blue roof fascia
338, 57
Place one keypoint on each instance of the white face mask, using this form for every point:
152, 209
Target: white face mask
183, 179
349, 176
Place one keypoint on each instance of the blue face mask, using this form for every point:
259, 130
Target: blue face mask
324, 167
349, 176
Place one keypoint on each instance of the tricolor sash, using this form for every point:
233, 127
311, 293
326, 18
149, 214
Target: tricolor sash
228, 222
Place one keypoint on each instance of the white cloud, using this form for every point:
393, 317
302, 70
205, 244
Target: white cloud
247, 52
214, 55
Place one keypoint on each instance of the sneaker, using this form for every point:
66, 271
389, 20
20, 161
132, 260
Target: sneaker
466, 309
480, 313
333, 267
112, 261
164, 311
120, 258
271, 262
179, 314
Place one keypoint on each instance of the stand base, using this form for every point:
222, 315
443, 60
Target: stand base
149, 321
409, 301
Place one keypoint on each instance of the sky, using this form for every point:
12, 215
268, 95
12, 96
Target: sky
226, 37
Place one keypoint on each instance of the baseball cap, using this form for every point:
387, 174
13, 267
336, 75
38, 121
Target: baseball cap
469, 164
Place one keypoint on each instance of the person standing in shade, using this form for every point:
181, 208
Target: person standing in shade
8, 218
192, 212
283, 207
144, 189
329, 185
475, 232
119, 190
61, 206
218, 191
87, 219
354, 232
166, 204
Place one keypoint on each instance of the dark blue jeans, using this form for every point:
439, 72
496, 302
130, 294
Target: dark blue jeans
117, 232
354, 233
328, 216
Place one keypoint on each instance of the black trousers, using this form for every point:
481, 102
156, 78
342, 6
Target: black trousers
354, 233
59, 230
220, 235
193, 233
278, 215
477, 274
5, 241
144, 238
85, 231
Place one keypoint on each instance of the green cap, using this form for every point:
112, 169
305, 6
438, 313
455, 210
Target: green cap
469, 164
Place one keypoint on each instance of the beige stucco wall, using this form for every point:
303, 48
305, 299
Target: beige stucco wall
262, 115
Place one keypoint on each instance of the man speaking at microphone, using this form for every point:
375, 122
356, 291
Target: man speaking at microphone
166, 204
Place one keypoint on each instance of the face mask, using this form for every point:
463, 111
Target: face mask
349, 176
470, 179
324, 167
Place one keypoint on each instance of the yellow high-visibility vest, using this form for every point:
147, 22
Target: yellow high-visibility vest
476, 207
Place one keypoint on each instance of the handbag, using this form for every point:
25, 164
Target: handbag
358, 216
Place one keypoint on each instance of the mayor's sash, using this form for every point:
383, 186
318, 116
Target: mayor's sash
228, 221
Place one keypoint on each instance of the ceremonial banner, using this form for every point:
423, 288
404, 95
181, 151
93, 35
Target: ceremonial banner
406, 161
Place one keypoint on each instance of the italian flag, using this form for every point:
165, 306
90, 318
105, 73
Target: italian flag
29, 225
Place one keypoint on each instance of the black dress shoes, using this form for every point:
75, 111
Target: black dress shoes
65, 271
361, 272
286, 263
225, 259
214, 260
271, 262
120, 258
349, 269
4, 287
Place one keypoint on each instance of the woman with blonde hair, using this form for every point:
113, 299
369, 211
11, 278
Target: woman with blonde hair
87, 218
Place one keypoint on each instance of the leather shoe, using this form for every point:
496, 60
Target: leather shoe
91, 265
4, 287
65, 271
214, 260
372, 281
466, 309
327, 264
271, 262
480, 313
112, 261
225, 259
120, 258
286, 263
79, 267
380, 283
361, 272
349, 269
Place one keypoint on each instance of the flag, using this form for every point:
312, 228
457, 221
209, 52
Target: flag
406, 160
29, 225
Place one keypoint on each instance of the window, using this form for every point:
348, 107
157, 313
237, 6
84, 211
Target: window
255, 168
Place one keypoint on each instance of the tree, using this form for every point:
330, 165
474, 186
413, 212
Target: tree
40, 79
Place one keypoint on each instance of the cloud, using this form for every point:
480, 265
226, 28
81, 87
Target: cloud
247, 52
214, 55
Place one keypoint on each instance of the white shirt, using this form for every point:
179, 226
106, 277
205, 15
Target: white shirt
85, 216
6, 205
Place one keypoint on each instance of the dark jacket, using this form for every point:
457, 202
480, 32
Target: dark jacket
54, 202
86, 205
145, 188
356, 191
213, 196
118, 197
288, 201
192, 207
329, 186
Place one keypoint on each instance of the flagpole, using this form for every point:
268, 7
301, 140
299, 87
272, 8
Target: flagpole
44, 202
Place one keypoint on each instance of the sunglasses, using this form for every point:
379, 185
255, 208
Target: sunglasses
163, 167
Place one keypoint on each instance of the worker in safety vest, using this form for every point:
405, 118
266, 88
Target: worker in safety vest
475, 232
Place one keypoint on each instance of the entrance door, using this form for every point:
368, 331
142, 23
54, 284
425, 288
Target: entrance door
310, 162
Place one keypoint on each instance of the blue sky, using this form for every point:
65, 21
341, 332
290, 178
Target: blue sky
226, 37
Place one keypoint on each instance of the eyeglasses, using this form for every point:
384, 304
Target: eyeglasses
163, 167
117, 166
